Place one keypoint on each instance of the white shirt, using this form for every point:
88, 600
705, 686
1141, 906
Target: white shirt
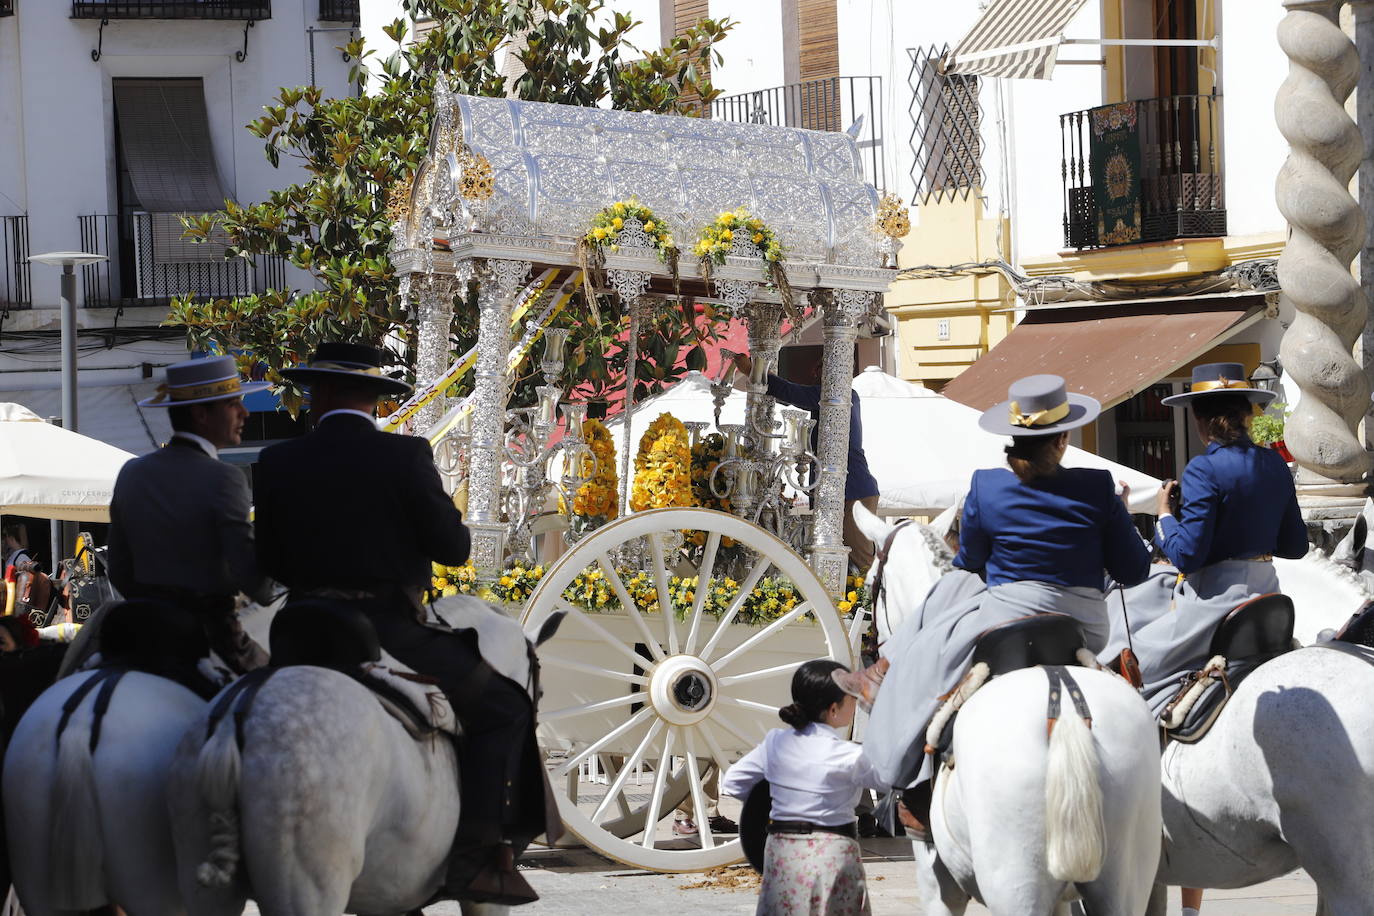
816, 776
205, 444
341, 411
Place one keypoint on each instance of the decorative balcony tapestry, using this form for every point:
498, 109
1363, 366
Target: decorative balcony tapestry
1114, 157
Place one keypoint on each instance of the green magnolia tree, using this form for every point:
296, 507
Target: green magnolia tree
355, 150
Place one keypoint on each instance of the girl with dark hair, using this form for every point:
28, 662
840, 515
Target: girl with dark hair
1239, 510
812, 863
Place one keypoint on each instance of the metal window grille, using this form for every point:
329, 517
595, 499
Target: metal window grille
172, 9
831, 104
946, 135
15, 289
137, 275
339, 11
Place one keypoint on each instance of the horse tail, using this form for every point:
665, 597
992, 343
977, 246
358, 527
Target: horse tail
1075, 836
76, 836
217, 776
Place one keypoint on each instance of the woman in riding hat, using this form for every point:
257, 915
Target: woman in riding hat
1238, 511
1043, 537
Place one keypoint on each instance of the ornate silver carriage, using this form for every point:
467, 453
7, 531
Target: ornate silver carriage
666, 669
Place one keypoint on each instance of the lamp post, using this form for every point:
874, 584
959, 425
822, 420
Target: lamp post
1266, 375
68, 261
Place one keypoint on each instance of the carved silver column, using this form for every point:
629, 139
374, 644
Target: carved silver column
496, 300
1327, 231
764, 323
841, 312
434, 314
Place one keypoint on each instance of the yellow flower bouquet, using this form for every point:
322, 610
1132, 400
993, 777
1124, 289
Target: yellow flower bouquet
595, 502
663, 466
605, 234
718, 239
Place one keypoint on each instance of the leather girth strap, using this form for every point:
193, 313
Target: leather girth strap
247, 688
1061, 681
104, 678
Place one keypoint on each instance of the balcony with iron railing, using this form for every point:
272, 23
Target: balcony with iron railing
172, 9
1143, 171
16, 292
833, 104
339, 11
150, 266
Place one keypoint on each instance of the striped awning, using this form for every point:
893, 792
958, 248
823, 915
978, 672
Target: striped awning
1014, 39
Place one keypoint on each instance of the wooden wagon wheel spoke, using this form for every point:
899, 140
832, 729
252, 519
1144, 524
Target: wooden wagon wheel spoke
568, 664
633, 761
700, 812
766, 633
665, 594
583, 709
628, 725
745, 590
761, 673
704, 573
665, 763
622, 594
629, 694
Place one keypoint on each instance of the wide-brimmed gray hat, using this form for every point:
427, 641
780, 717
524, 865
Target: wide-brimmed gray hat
358, 362
199, 381
1212, 379
1039, 405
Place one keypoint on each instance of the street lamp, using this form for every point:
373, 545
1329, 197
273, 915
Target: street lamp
68, 261
1266, 375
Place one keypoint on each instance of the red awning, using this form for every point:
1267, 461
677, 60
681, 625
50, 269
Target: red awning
1110, 352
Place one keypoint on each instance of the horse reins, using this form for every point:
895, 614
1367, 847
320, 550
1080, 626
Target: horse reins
880, 559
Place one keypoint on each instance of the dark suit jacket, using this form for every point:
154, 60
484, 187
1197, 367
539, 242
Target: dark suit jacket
179, 520
349, 506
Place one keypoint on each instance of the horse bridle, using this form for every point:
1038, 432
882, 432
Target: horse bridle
880, 567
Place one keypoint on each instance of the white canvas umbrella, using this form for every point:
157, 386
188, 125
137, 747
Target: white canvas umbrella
50, 472
923, 448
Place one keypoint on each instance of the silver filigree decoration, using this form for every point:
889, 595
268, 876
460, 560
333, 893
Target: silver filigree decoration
735, 294
629, 285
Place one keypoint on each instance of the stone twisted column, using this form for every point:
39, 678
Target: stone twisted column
496, 299
1327, 231
841, 312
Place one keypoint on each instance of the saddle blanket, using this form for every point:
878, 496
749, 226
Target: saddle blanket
500, 639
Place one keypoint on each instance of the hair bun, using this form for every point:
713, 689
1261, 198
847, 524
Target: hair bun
794, 715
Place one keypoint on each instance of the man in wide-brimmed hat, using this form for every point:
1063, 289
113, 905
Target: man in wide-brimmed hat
179, 517
351, 514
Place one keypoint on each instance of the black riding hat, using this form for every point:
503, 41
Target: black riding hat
359, 362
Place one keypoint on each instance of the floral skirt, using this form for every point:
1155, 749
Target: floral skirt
812, 874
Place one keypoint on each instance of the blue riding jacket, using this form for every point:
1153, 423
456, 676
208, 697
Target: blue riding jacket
1064, 529
1238, 502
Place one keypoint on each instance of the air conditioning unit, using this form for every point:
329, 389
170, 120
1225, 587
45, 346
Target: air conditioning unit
166, 266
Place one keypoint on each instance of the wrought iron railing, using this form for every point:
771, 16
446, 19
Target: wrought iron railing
145, 267
339, 11
172, 9
15, 289
832, 104
1177, 183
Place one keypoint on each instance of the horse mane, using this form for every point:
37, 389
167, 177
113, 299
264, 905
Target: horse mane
940, 554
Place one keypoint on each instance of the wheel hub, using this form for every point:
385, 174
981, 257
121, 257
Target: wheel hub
683, 689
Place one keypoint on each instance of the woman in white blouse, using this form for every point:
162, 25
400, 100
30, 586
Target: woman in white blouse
812, 863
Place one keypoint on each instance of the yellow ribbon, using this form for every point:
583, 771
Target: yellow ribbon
1218, 383
346, 367
1039, 418
176, 393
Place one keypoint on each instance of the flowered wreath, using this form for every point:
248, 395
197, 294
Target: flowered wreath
739, 227
605, 234
594, 503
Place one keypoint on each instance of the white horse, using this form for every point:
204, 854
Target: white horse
331, 805
1286, 776
90, 829
1028, 822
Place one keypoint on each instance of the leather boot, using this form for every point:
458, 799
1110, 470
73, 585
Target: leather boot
498, 881
913, 810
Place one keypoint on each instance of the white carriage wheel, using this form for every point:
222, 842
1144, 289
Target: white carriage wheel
698, 689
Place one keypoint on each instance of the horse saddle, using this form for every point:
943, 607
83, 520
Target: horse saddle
1041, 639
1359, 629
158, 638
327, 634
1250, 635
1046, 640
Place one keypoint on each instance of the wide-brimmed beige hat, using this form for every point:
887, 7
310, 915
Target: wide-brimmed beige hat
199, 381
